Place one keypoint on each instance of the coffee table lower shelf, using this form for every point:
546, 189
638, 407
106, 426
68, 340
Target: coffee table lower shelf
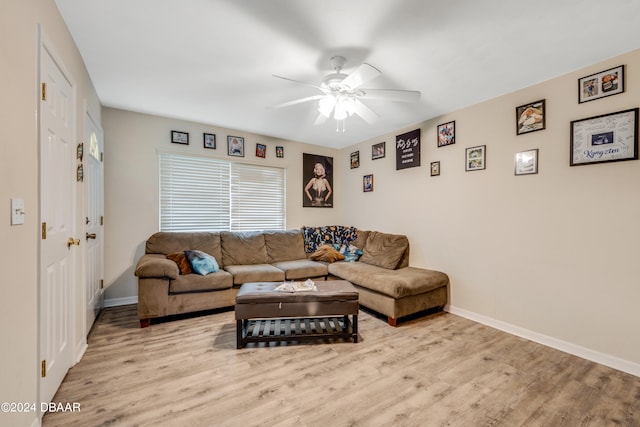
296, 329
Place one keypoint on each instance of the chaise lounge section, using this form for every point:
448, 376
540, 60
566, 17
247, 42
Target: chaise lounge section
385, 281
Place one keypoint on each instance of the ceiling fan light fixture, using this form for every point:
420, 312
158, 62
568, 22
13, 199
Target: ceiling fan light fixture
326, 105
342, 94
340, 112
349, 105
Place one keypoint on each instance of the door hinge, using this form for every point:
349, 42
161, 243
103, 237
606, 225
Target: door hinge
44, 91
102, 156
43, 369
101, 220
101, 283
44, 231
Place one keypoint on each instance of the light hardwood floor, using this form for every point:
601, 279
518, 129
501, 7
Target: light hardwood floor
437, 370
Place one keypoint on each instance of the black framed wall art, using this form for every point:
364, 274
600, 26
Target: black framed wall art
408, 150
609, 137
530, 117
178, 137
317, 183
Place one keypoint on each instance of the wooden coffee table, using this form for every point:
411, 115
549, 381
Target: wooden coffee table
265, 315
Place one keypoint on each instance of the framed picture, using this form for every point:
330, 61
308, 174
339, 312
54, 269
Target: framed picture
599, 85
447, 134
408, 150
526, 162
279, 151
607, 138
530, 117
235, 146
209, 140
261, 150
377, 150
355, 159
179, 137
317, 185
435, 168
367, 183
476, 158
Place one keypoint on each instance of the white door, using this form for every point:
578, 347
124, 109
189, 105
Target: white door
93, 220
57, 207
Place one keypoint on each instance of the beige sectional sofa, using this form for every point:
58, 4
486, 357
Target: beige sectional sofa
382, 276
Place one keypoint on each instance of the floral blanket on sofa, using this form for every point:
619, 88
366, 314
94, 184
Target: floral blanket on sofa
330, 234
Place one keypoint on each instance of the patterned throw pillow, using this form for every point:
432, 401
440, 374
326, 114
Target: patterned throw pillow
202, 263
180, 259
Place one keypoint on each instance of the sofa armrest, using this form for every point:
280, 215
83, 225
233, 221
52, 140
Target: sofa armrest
156, 266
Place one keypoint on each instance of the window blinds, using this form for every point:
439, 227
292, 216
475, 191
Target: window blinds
203, 194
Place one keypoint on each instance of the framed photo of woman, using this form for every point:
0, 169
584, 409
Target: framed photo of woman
317, 186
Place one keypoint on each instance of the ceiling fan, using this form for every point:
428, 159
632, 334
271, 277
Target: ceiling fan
341, 94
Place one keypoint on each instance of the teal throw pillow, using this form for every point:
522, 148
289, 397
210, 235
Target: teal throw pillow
201, 262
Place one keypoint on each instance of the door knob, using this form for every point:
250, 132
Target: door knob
90, 236
72, 242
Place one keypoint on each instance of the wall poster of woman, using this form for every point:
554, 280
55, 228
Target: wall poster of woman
317, 172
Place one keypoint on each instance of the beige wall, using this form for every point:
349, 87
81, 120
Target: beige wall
553, 253
19, 20
132, 142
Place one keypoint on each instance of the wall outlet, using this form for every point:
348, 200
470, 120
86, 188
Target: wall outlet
17, 211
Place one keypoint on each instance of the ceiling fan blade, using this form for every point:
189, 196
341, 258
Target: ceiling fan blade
367, 114
391, 95
364, 73
299, 101
321, 119
299, 82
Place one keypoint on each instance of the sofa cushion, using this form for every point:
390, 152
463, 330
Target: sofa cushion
394, 283
384, 250
181, 260
243, 248
201, 262
301, 269
361, 239
196, 283
167, 242
284, 245
255, 273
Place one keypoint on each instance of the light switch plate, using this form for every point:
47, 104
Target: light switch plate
17, 211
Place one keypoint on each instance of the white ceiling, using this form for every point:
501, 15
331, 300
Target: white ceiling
212, 61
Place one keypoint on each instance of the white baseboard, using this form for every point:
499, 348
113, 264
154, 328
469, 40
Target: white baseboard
583, 352
80, 349
115, 302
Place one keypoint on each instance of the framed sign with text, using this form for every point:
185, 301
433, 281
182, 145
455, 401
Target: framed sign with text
408, 150
607, 138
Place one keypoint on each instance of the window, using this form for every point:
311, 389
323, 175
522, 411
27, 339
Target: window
203, 194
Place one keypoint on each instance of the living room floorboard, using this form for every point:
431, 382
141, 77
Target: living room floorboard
434, 370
